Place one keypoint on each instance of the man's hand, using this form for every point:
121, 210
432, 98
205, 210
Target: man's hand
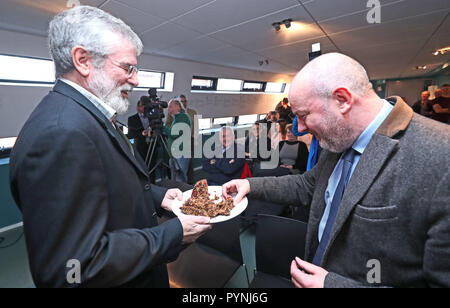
194, 227
307, 275
241, 187
169, 198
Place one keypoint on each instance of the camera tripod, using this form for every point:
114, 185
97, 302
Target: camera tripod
156, 139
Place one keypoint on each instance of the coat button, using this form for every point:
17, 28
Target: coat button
147, 187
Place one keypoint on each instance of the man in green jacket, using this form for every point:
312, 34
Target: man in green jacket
179, 139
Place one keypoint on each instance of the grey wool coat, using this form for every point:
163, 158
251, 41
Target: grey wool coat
395, 210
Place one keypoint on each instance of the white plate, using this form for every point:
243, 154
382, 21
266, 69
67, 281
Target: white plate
217, 190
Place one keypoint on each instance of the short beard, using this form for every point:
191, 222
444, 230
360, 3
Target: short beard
108, 91
337, 136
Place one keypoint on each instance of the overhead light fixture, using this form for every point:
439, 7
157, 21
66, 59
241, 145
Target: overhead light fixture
277, 26
441, 51
421, 67
287, 23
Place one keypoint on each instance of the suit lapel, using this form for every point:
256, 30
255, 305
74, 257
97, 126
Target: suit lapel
69, 91
375, 156
369, 166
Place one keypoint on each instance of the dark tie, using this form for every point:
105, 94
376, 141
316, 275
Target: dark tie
347, 158
125, 139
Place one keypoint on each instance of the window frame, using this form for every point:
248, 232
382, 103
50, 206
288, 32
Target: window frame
199, 88
24, 81
263, 86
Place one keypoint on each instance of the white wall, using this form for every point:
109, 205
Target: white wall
409, 89
17, 102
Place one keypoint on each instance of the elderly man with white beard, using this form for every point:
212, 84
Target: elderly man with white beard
88, 207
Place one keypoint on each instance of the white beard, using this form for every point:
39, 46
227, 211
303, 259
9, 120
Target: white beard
108, 91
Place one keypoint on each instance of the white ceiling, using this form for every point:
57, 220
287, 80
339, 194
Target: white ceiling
238, 33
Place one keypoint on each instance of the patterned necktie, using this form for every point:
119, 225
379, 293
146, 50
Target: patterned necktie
347, 158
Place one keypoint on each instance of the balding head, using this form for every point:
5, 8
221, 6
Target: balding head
334, 100
330, 71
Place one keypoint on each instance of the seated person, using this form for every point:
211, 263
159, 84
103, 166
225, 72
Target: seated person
228, 166
293, 157
254, 150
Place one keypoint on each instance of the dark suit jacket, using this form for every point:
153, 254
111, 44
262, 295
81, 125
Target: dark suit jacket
226, 167
84, 196
135, 129
395, 208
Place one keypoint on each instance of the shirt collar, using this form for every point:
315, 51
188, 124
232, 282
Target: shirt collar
106, 110
363, 140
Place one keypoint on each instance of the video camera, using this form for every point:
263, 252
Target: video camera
154, 110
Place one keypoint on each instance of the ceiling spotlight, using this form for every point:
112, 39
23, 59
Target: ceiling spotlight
421, 67
441, 51
277, 26
287, 22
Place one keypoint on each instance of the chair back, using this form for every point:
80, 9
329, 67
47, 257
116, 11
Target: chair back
278, 241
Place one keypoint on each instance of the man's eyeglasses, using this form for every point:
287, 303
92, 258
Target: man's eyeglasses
130, 69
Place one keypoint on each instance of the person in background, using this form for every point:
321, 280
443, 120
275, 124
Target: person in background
293, 157
314, 147
423, 106
282, 124
369, 204
85, 197
178, 165
441, 106
138, 129
227, 166
285, 111
194, 135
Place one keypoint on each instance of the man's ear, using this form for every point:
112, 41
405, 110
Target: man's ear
343, 98
81, 61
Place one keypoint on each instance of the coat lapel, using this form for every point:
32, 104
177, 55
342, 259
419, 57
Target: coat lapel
69, 91
375, 156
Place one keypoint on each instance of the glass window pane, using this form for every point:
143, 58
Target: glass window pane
247, 119
253, 86
275, 87
229, 85
149, 79
219, 121
204, 123
14, 68
207, 83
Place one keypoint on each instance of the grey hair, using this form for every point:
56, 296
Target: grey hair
91, 28
176, 102
333, 70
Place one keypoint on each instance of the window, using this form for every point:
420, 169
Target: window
274, 87
247, 119
229, 85
204, 83
221, 121
204, 123
16, 69
262, 116
149, 79
253, 86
